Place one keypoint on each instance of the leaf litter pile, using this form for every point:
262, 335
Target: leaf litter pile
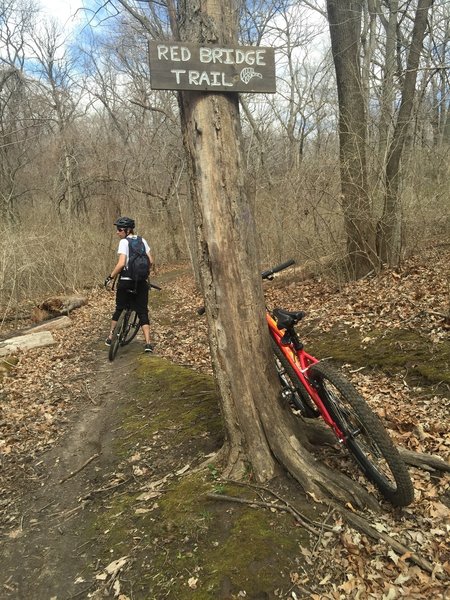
38, 394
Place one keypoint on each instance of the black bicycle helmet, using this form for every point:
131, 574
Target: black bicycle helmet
125, 223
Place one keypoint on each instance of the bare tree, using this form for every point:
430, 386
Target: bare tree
19, 126
388, 87
438, 54
390, 237
142, 128
60, 94
345, 25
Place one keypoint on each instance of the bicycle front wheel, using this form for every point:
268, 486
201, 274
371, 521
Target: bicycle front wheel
116, 337
364, 435
130, 327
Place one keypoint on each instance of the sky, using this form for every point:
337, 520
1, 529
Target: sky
63, 11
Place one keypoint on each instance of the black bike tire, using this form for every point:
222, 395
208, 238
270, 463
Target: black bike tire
402, 492
131, 327
308, 407
116, 337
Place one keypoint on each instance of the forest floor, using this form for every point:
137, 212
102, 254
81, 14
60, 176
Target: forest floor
104, 488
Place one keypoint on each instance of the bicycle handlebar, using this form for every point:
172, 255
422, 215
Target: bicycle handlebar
268, 274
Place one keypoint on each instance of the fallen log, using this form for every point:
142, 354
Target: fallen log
26, 342
53, 324
56, 306
50, 325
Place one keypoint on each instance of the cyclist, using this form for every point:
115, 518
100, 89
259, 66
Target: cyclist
139, 300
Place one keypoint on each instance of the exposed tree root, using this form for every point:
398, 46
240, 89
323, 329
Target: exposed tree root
320, 435
315, 530
427, 462
354, 520
289, 443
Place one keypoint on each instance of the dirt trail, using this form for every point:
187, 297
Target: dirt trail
135, 496
44, 555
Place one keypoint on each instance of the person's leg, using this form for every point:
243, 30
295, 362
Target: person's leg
121, 304
109, 338
146, 332
141, 305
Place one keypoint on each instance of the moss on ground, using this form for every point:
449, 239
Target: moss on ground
391, 350
184, 544
189, 546
172, 399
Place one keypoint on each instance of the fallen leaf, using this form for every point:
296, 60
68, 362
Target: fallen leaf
192, 583
115, 566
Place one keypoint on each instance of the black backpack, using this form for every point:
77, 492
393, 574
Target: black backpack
138, 267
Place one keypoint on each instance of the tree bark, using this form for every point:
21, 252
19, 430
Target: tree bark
390, 226
345, 23
227, 250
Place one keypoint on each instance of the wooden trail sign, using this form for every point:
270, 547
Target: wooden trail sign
183, 66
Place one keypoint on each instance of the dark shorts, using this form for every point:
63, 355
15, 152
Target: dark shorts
138, 301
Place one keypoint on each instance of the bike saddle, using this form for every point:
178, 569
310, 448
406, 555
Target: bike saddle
286, 318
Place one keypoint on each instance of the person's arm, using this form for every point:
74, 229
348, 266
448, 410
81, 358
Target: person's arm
121, 262
122, 258
150, 257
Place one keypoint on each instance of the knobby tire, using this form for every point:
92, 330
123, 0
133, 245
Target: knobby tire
370, 441
130, 327
116, 337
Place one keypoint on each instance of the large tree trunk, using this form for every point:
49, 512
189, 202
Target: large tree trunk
258, 429
227, 250
345, 25
390, 224
228, 271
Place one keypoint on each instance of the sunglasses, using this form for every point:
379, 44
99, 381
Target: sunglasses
120, 229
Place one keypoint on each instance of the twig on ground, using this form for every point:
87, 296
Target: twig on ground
73, 473
88, 394
81, 592
280, 507
273, 493
105, 489
352, 519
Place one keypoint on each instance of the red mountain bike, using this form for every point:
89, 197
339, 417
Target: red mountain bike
315, 389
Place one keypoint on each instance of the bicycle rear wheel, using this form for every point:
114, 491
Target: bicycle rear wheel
130, 327
365, 436
290, 380
116, 337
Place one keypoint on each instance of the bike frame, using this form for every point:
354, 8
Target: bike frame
300, 361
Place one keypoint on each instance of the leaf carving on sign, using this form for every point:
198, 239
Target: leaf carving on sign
248, 73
